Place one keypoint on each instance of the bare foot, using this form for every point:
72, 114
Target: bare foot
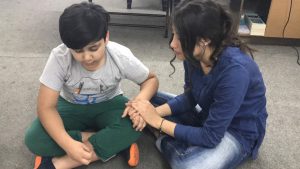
66, 162
86, 135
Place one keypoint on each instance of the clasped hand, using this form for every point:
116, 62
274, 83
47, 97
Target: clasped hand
80, 152
138, 122
141, 112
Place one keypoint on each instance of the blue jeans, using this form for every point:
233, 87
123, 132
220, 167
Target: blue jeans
226, 155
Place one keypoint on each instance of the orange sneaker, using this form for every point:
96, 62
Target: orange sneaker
43, 163
132, 155
37, 162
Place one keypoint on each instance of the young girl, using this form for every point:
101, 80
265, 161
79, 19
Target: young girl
220, 119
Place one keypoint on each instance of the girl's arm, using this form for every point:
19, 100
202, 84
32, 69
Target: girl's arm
151, 116
164, 110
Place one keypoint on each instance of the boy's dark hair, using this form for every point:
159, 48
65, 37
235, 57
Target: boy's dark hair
83, 23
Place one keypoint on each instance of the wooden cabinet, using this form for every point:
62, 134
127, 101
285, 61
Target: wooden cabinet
284, 19
293, 27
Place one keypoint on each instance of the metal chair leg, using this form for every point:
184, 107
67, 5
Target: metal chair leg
168, 17
129, 2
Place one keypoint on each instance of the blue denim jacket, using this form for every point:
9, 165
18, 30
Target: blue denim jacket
232, 97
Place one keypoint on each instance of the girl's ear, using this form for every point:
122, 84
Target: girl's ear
203, 42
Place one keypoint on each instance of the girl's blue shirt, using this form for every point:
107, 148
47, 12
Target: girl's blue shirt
231, 95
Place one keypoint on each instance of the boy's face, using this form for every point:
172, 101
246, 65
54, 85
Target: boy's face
92, 56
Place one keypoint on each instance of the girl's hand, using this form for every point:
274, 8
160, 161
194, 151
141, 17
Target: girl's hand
80, 152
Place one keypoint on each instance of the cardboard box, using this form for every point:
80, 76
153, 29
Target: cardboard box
255, 24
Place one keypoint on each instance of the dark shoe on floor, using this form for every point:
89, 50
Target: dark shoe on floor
132, 155
43, 163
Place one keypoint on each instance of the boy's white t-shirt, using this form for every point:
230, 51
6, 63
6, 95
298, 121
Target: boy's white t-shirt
63, 73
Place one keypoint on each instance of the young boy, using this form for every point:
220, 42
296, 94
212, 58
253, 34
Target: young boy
80, 92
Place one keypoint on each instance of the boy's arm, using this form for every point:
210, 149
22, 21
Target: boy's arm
148, 88
49, 117
52, 122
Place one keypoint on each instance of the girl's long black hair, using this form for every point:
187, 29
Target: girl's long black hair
204, 19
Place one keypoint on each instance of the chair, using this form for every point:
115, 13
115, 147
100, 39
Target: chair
167, 15
164, 4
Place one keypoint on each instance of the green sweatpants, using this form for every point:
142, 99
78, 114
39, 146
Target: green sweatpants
113, 133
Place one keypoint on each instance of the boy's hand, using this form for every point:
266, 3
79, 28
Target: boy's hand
129, 111
138, 122
79, 152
